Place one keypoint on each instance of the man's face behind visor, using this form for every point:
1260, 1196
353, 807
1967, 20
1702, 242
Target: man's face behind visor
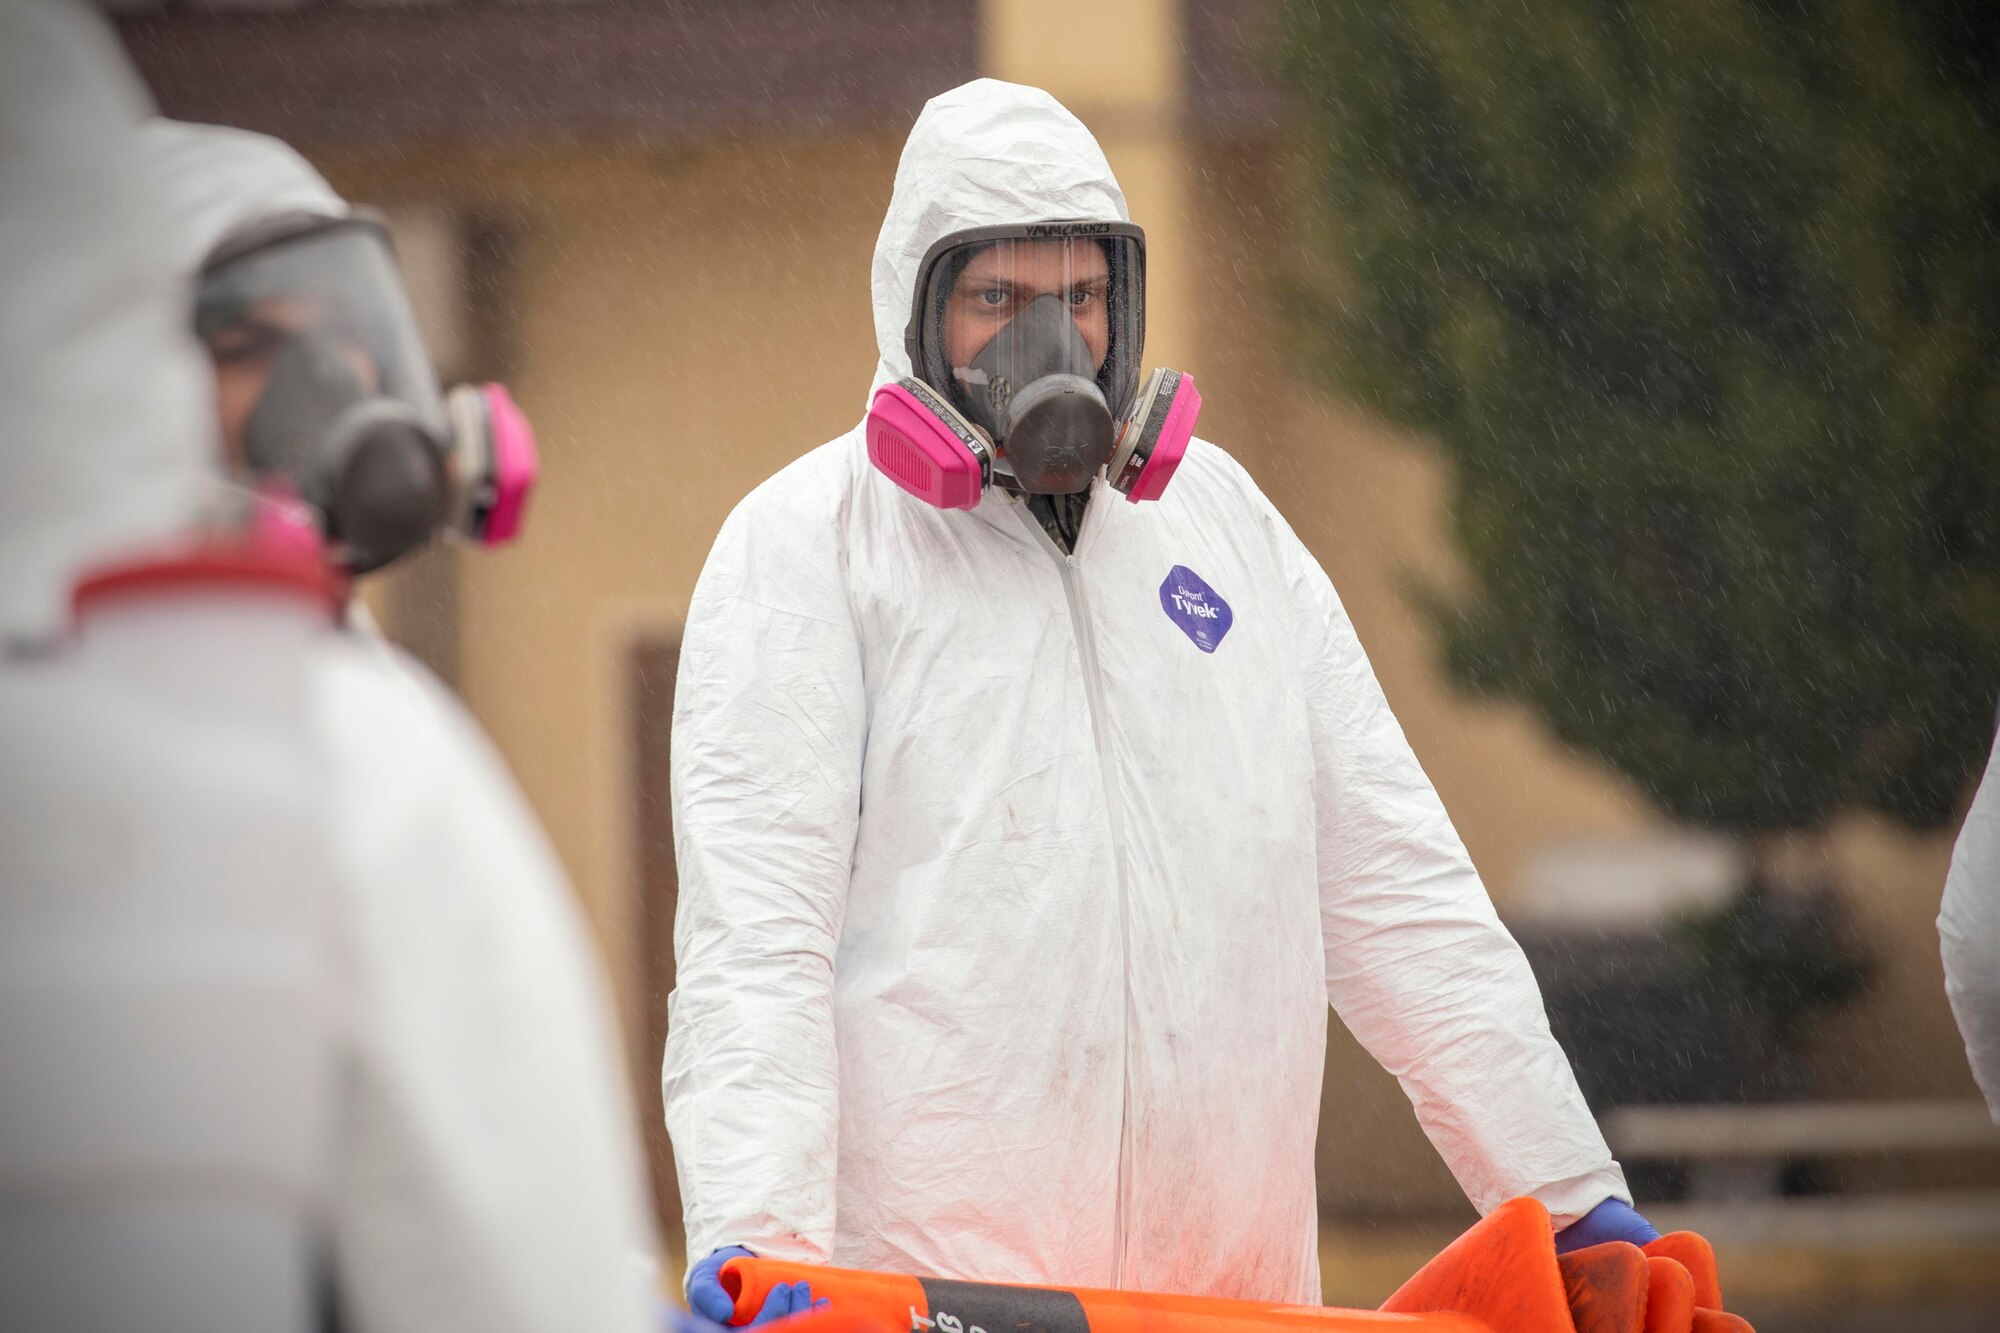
245, 351
322, 308
1000, 279
322, 380
1033, 332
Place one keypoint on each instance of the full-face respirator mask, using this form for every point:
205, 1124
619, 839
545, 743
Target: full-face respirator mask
322, 380
1025, 342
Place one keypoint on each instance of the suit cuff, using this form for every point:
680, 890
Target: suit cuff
1568, 1200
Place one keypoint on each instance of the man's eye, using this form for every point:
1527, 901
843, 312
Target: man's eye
245, 343
991, 296
1081, 296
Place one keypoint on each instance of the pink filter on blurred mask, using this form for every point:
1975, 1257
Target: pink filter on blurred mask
516, 464
277, 546
915, 445
282, 526
1172, 445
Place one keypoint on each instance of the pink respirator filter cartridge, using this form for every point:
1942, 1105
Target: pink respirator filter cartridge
1169, 443
917, 441
516, 464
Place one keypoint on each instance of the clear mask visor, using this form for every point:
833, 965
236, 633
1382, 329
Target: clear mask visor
985, 323
304, 328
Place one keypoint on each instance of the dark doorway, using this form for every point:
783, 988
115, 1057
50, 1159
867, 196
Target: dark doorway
654, 660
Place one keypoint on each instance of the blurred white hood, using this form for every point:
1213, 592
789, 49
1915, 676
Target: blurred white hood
984, 154
105, 402
214, 181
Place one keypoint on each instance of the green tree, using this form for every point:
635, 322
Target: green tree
1702, 299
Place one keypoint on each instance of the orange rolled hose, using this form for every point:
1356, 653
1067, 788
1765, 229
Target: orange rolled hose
1670, 1302
1502, 1272
1502, 1276
1505, 1273
1693, 1253
936, 1305
831, 1320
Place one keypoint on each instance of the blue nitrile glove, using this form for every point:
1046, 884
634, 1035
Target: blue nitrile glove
709, 1300
1613, 1219
704, 1285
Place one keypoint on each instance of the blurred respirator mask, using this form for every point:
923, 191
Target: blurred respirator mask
308, 314
1048, 320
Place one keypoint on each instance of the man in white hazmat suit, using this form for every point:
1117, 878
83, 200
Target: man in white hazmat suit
1969, 933
299, 1023
1025, 831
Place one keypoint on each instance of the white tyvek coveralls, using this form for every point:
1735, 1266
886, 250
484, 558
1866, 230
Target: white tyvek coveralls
293, 997
1008, 917
1969, 933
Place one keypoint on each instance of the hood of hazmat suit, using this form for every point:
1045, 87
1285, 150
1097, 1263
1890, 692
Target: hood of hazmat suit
216, 182
1969, 933
297, 1011
1015, 885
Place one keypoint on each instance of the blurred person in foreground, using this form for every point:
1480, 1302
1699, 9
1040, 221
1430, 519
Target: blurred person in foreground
324, 390
1033, 796
300, 1025
323, 387
1969, 934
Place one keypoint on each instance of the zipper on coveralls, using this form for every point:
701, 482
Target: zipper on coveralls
1093, 689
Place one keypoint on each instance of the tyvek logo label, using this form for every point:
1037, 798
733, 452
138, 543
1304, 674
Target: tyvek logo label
1197, 608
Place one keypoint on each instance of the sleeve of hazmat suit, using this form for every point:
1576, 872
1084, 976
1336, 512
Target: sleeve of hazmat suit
1969, 933
491, 1178
767, 745
1418, 965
